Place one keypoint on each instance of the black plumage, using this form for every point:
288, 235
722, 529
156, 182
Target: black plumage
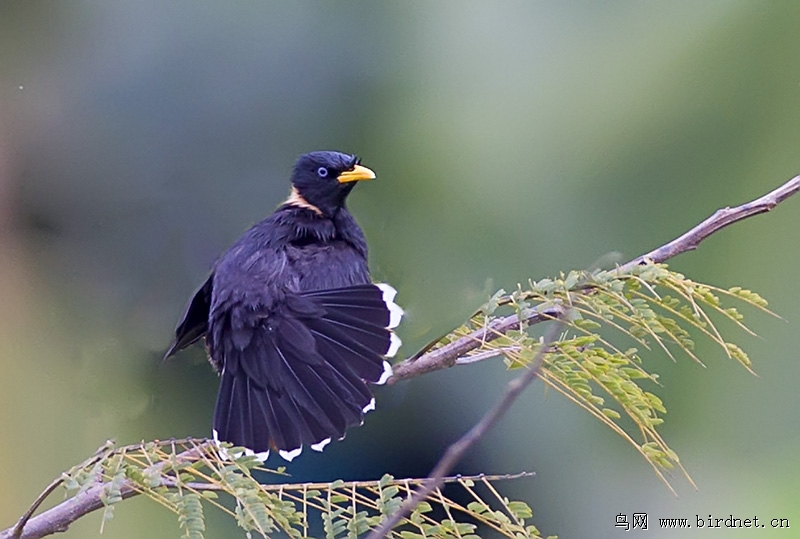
292, 321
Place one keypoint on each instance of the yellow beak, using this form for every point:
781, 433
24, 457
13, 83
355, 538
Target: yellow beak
357, 174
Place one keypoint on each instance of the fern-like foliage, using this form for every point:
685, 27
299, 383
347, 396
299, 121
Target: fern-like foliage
650, 306
188, 476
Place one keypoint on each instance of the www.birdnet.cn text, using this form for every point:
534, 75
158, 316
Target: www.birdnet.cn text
642, 521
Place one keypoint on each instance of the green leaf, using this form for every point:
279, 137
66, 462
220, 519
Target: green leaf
190, 516
521, 510
611, 414
476, 507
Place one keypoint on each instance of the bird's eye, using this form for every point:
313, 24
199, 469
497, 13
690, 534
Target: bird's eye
322, 172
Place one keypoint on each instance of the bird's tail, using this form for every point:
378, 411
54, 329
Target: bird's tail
299, 376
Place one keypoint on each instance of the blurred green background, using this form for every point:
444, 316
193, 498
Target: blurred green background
513, 140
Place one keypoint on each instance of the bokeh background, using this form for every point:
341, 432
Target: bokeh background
513, 140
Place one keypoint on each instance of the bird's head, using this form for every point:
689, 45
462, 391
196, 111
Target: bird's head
321, 181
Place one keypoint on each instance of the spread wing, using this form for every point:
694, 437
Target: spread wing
298, 375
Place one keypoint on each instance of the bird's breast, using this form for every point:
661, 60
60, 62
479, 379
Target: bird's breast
320, 266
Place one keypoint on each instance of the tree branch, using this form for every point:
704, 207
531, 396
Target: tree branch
58, 518
448, 355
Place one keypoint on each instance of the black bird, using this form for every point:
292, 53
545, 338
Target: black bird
292, 321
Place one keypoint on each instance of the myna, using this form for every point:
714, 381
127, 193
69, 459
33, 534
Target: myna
292, 321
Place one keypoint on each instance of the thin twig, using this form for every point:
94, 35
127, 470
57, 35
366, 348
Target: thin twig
487, 354
101, 453
16, 533
456, 451
717, 221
